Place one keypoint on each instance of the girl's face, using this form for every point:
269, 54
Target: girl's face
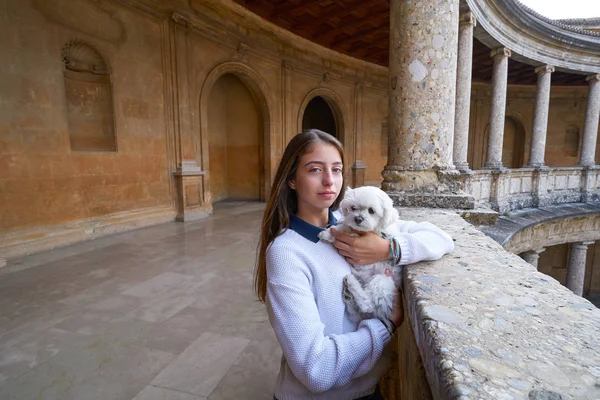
318, 180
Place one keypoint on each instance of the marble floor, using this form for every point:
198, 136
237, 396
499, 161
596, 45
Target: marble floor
165, 312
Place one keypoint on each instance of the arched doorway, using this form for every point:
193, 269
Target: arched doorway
513, 147
235, 129
319, 115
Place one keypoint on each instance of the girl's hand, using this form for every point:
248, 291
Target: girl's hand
366, 248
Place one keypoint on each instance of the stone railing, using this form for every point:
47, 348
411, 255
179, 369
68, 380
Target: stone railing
513, 189
481, 323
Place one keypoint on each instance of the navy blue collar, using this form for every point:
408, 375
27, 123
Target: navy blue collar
307, 230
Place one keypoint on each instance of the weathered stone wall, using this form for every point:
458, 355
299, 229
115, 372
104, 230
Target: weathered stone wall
163, 66
43, 180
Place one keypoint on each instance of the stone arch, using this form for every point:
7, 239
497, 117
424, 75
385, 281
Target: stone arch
89, 97
262, 96
335, 104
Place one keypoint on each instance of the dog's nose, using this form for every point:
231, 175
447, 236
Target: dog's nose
358, 220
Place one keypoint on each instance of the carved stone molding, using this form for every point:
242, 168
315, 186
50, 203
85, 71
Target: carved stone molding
242, 52
89, 18
182, 20
81, 56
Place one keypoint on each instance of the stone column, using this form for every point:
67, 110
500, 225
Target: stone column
463, 90
498, 108
358, 167
590, 128
540, 116
532, 256
422, 95
576, 267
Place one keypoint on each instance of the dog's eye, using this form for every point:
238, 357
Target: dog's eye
353, 208
371, 211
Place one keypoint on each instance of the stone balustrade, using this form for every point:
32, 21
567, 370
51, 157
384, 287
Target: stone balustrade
481, 323
514, 189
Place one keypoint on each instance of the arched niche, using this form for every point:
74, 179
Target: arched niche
89, 98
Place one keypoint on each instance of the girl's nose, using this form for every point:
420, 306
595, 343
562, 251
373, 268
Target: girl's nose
328, 178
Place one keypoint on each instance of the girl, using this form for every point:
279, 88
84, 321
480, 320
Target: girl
325, 355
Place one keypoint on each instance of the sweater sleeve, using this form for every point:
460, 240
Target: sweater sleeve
320, 362
421, 241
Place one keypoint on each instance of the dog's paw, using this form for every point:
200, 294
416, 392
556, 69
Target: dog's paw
326, 236
347, 294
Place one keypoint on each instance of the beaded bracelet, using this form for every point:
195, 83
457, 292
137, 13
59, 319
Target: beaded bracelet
390, 326
395, 251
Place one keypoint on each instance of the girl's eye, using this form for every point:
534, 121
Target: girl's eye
315, 169
371, 211
337, 170
353, 208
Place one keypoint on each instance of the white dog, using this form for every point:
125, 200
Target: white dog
368, 292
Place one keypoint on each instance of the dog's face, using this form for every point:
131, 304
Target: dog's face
368, 208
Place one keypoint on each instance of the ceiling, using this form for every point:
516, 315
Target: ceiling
360, 28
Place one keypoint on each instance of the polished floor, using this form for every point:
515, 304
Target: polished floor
165, 312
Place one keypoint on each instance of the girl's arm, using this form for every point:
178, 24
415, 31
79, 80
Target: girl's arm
421, 241
418, 242
320, 362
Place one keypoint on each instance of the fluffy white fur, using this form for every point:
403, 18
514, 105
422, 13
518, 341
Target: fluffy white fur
368, 292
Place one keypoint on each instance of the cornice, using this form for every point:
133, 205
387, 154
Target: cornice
534, 39
267, 41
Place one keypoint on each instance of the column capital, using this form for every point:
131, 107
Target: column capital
501, 51
593, 78
467, 19
544, 68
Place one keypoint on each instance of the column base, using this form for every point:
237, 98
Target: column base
494, 165
463, 167
192, 204
427, 188
358, 173
433, 200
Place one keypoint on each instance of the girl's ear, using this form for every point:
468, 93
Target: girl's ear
292, 184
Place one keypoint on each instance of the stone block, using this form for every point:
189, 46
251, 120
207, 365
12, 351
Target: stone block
458, 201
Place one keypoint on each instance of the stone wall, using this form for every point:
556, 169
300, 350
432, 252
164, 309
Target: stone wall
163, 62
46, 179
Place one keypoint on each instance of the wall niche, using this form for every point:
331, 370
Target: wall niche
89, 98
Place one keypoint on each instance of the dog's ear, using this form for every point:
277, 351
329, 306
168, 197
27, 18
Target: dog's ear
390, 214
346, 203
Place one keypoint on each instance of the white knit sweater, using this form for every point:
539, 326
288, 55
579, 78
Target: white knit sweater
325, 355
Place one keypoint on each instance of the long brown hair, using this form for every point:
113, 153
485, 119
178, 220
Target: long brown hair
283, 202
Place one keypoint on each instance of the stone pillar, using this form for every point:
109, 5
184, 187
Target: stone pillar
540, 116
190, 188
422, 97
590, 128
358, 167
532, 256
498, 108
576, 267
463, 90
